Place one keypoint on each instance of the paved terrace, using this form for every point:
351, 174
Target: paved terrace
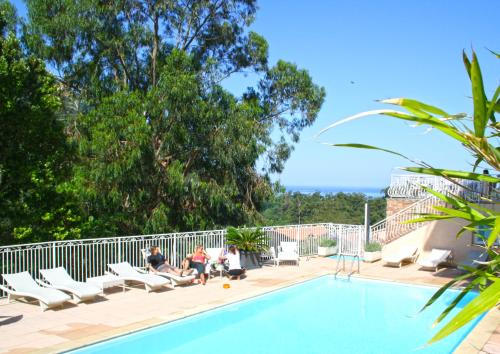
25, 329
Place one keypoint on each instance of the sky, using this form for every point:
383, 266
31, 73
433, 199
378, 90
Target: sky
362, 51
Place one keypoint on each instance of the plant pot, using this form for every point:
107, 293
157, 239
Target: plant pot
250, 260
371, 257
327, 251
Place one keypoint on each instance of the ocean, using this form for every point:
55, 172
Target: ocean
323, 190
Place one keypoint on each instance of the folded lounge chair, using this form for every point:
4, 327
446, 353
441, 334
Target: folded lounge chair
406, 253
58, 278
288, 253
269, 256
128, 273
174, 279
23, 285
474, 259
434, 259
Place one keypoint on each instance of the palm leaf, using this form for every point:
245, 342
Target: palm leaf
455, 301
412, 104
494, 233
492, 104
478, 97
445, 287
466, 60
369, 147
453, 174
483, 302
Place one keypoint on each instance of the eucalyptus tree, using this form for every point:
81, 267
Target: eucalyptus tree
162, 144
35, 202
478, 134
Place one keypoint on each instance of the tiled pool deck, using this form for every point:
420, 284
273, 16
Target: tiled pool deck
24, 328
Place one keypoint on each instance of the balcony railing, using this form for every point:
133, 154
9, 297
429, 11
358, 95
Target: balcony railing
410, 186
397, 225
89, 257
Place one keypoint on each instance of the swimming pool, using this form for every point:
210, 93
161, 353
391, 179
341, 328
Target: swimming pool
324, 315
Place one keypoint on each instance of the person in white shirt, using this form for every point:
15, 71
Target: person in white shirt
233, 257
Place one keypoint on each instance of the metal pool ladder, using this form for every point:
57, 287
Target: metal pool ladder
342, 257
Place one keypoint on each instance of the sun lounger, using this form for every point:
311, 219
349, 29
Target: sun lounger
174, 279
23, 285
128, 273
58, 278
434, 259
406, 253
474, 259
270, 256
288, 253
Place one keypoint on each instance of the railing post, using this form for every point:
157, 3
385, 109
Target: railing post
297, 231
119, 250
340, 241
54, 263
175, 251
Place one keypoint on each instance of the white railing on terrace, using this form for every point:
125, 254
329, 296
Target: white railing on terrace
409, 186
89, 257
395, 225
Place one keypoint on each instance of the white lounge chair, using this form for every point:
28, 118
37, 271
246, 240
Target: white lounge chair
128, 273
434, 259
288, 253
58, 278
270, 256
406, 253
174, 279
474, 259
23, 285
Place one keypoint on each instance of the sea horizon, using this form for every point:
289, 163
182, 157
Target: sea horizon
325, 190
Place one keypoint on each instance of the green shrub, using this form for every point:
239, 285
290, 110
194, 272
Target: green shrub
251, 240
328, 243
373, 247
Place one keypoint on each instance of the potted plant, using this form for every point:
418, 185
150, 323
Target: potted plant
373, 252
251, 243
327, 247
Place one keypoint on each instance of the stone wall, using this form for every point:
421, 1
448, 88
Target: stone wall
396, 204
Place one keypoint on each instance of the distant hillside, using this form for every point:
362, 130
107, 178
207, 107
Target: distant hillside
343, 208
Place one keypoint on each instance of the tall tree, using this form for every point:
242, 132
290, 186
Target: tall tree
162, 144
35, 204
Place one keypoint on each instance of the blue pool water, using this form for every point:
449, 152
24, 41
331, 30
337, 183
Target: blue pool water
348, 259
325, 315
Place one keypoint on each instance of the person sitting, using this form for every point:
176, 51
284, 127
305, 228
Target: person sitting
157, 263
233, 258
198, 261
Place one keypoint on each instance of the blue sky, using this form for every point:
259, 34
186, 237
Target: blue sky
387, 48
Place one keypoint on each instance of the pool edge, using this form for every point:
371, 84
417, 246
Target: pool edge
155, 322
472, 343
480, 334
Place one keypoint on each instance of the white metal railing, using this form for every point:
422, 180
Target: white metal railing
395, 225
89, 257
351, 240
410, 186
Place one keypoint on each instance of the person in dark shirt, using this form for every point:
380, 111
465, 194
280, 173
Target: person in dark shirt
158, 263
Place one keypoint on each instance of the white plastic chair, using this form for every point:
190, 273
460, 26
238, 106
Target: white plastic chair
434, 259
406, 253
288, 253
58, 278
174, 279
128, 273
22, 285
214, 254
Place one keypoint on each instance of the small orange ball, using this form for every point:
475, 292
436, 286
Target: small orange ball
226, 286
